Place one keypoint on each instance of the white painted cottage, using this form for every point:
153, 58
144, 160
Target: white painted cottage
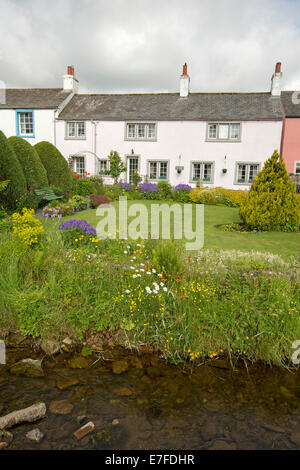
223, 139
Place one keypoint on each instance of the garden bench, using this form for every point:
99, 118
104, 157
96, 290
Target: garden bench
47, 193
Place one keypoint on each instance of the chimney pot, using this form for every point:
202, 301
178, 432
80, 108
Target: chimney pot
70, 70
278, 67
184, 70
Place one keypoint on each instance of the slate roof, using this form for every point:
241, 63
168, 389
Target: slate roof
34, 98
170, 107
291, 109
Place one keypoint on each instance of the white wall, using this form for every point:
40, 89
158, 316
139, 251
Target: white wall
187, 138
43, 123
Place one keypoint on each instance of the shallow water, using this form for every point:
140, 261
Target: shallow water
158, 406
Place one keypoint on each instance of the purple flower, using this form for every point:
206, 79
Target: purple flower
181, 187
81, 225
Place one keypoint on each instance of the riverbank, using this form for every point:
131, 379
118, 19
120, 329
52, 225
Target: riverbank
149, 294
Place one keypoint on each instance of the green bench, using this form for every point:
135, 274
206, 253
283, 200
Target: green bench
47, 194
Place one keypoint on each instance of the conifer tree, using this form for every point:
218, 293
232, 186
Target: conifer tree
272, 203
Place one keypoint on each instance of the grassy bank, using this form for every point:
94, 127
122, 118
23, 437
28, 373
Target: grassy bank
204, 306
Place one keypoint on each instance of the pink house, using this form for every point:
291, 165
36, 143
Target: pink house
290, 142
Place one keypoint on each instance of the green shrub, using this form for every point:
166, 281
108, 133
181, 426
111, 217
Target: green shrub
233, 197
83, 186
79, 202
206, 196
168, 257
272, 203
166, 189
10, 169
34, 171
57, 168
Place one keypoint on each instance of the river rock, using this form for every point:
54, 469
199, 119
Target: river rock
78, 362
50, 347
220, 444
3, 445
60, 407
80, 419
67, 344
35, 435
6, 436
295, 438
209, 431
136, 362
84, 430
30, 414
287, 394
115, 422
123, 391
28, 368
118, 367
220, 364
66, 382
153, 372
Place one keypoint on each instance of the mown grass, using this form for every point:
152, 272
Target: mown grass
281, 243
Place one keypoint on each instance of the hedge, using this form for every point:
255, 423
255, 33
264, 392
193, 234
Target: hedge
10, 169
34, 171
57, 168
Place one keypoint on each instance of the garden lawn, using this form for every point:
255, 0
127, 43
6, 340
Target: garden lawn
285, 244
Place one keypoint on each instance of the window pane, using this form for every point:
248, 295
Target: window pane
196, 171
163, 172
207, 171
153, 170
26, 123
297, 170
223, 131
212, 131
71, 129
234, 131
131, 131
151, 131
241, 173
103, 166
80, 129
141, 131
253, 170
79, 165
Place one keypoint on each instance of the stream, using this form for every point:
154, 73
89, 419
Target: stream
154, 405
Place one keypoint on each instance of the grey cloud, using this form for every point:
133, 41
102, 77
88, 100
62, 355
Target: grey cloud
140, 46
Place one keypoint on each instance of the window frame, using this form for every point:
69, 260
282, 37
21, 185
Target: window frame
107, 161
247, 182
158, 178
297, 164
221, 123
18, 127
202, 163
74, 157
137, 124
76, 136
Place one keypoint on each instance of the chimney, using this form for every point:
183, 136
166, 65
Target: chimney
276, 81
184, 83
70, 82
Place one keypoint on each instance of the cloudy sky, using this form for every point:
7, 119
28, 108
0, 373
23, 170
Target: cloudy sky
141, 45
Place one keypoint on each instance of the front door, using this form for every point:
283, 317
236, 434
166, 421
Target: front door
132, 167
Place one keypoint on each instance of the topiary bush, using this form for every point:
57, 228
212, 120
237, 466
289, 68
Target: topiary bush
33, 169
57, 168
10, 169
272, 203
